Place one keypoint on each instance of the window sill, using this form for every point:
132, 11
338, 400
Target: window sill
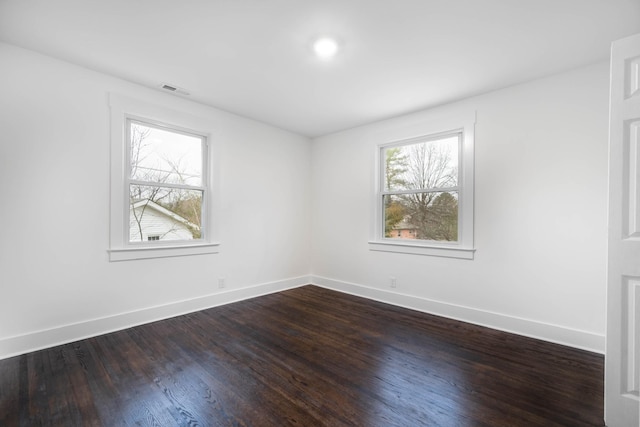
131, 253
417, 249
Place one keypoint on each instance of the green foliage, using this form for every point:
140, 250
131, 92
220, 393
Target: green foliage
395, 168
393, 214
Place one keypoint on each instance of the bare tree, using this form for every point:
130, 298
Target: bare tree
433, 212
170, 171
138, 135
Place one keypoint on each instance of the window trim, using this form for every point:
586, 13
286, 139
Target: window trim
464, 124
123, 110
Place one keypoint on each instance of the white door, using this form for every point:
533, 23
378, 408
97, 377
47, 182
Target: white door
622, 362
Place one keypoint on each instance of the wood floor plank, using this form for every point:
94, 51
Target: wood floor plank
12, 377
304, 357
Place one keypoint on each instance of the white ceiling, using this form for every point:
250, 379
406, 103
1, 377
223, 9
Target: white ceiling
252, 57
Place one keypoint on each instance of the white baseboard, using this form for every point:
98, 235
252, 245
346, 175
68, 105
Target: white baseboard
547, 332
20, 344
39, 340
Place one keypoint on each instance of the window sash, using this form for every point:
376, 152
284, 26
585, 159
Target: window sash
128, 181
416, 240
168, 185
420, 190
382, 192
458, 133
171, 129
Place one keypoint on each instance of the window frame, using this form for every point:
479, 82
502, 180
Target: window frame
129, 181
124, 111
462, 124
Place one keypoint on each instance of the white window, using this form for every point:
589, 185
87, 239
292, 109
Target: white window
165, 181
162, 202
424, 192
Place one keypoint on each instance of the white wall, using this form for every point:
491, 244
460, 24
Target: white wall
56, 283
540, 214
540, 223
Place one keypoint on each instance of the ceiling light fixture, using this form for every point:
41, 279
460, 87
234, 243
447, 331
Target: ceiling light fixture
325, 47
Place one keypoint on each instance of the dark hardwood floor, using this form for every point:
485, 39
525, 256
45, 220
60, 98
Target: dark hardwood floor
304, 357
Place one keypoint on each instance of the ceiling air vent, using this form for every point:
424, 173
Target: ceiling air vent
174, 89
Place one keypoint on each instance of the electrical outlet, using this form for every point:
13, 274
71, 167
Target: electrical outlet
221, 282
392, 282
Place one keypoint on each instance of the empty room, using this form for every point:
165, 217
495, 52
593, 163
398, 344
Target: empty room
337, 213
